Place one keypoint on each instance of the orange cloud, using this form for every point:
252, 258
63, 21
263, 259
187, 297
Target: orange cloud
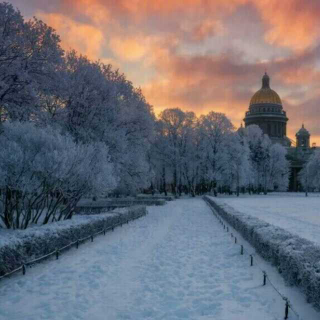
82, 37
166, 39
130, 49
207, 29
293, 23
98, 11
290, 23
143, 7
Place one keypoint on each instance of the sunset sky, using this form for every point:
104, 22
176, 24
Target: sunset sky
200, 55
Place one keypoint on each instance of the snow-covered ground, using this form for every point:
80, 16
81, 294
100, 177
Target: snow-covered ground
294, 212
175, 263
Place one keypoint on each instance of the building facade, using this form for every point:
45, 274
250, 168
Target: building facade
266, 111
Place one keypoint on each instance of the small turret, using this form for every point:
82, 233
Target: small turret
241, 130
303, 138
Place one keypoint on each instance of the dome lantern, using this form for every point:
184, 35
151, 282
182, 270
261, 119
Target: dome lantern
265, 81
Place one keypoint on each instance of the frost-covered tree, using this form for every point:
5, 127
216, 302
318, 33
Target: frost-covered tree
259, 145
269, 166
213, 130
191, 158
278, 168
30, 53
174, 145
100, 105
236, 165
198, 155
43, 174
310, 174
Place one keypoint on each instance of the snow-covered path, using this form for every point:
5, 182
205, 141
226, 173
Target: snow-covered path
175, 263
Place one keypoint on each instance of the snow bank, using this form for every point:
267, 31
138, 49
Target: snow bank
20, 246
297, 259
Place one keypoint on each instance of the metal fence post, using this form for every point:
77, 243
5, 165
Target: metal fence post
286, 311
264, 278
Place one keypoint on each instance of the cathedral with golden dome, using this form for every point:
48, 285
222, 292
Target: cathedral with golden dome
266, 111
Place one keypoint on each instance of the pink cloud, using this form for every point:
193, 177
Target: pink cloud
186, 51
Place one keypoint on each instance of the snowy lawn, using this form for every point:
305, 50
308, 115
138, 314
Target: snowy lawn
175, 263
294, 212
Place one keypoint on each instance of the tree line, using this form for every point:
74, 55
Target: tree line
196, 155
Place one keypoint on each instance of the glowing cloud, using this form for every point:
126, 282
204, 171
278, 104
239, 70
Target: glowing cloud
293, 23
129, 49
200, 55
82, 37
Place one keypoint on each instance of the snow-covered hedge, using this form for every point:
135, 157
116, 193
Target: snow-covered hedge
297, 259
155, 196
92, 207
38, 241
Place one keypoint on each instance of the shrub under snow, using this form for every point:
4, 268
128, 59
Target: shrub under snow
25, 245
43, 174
297, 259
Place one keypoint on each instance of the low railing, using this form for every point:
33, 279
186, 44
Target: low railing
57, 252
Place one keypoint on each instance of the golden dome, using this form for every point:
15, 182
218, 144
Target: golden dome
265, 94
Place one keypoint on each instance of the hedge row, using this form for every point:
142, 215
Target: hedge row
155, 197
91, 207
38, 241
297, 259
